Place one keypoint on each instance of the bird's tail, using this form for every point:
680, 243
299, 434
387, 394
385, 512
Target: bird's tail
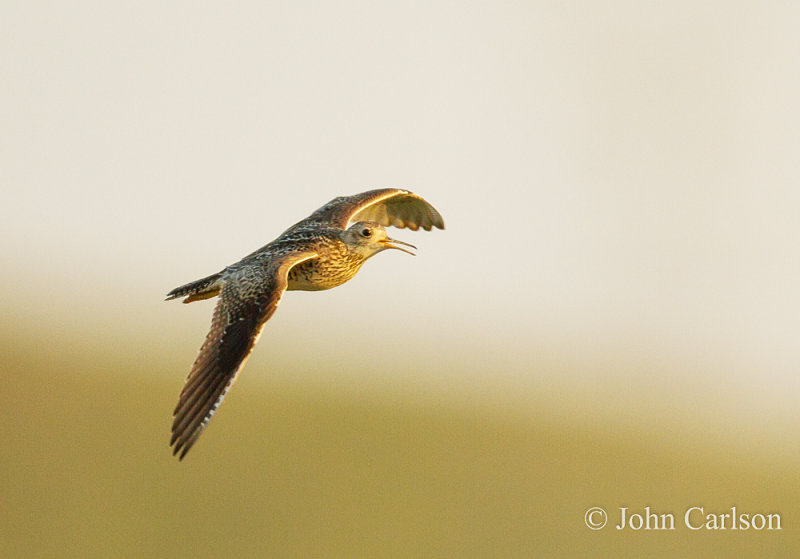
198, 290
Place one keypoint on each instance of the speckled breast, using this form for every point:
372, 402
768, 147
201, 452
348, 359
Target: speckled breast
324, 272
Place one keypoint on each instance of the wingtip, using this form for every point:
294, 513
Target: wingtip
181, 448
436, 225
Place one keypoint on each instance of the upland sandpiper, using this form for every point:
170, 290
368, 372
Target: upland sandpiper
320, 252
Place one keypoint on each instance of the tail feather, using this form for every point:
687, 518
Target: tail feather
198, 290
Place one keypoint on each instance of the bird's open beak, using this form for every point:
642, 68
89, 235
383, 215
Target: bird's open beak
387, 242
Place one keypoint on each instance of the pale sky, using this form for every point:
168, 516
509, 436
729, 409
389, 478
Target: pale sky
619, 182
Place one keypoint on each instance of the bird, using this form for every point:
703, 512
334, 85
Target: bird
322, 251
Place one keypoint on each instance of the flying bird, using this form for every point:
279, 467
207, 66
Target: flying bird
320, 252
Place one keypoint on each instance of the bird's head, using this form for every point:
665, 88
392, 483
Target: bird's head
368, 239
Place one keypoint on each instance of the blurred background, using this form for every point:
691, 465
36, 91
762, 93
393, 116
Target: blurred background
610, 318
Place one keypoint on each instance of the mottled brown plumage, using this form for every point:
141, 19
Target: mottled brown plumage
320, 252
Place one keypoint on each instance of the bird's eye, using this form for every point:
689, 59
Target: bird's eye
366, 232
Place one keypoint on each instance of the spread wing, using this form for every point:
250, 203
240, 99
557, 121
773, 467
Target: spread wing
247, 300
387, 206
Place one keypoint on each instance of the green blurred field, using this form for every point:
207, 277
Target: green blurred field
290, 472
